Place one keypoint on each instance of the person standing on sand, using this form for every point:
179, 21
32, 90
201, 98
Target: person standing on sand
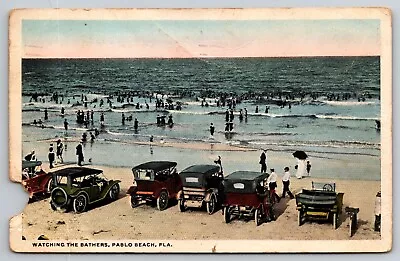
219, 163
301, 168
51, 156
286, 183
263, 161
308, 168
212, 129
59, 151
271, 181
79, 153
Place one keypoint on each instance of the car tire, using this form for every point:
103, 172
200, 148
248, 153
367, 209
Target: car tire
114, 192
258, 216
300, 217
134, 201
162, 200
80, 203
227, 215
211, 205
182, 206
52, 206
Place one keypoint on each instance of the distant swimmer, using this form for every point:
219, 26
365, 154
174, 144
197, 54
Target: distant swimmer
231, 116
46, 114
123, 119
62, 111
102, 119
245, 113
92, 137
170, 121
212, 129
136, 124
241, 115
378, 125
256, 109
227, 116
266, 109
65, 124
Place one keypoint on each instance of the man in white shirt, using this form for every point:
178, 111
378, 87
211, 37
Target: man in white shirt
286, 183
271, 181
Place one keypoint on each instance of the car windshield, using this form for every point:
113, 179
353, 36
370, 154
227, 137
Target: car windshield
144, 174
62, 180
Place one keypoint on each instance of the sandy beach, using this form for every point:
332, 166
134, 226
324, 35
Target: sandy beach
117, 220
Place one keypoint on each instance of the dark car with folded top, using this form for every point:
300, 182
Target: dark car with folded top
155, 182
246, 195
202, 184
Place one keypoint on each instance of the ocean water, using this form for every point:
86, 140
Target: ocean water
314, 123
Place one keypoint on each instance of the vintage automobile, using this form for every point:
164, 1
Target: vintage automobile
155, 182
201, 184
320, 203
35, 180
80, 186
246, 195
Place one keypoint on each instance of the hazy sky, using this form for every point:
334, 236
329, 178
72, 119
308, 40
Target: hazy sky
195, 38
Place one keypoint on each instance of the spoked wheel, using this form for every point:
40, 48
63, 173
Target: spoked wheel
227, 215
258, 216
162, 200
182, 205
114, 192
134, 201
327, 187
335, 220
300, 217
79, 204
211, 205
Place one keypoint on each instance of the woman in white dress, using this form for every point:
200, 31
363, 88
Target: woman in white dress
301, 168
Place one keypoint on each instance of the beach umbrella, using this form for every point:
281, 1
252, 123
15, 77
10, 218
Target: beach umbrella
300, 155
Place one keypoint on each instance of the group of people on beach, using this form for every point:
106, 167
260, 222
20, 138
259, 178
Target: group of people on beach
273, 177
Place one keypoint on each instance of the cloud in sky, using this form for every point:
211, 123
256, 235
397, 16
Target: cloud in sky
195, 38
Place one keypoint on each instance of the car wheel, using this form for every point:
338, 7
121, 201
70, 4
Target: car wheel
134, 201
182, 206
227, 215
114, 192
162, 200
335, 220
258, 216
211, 204
79, 204
52, 206
300, 217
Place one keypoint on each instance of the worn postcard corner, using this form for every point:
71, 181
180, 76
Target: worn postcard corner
201, 130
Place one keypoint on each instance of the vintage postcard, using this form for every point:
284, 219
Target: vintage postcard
201, 130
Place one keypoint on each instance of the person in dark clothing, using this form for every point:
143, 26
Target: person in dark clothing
286, 183
123, 119
59, 151
263, 161
79, 153
219, 163
227, 115
231, 116
84, 137
256, 109
52, 156
102, 119
227, 126
170, 121
308, 168
62, 111
136, 124
212, 129
92, 137
96, 132
46, 114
